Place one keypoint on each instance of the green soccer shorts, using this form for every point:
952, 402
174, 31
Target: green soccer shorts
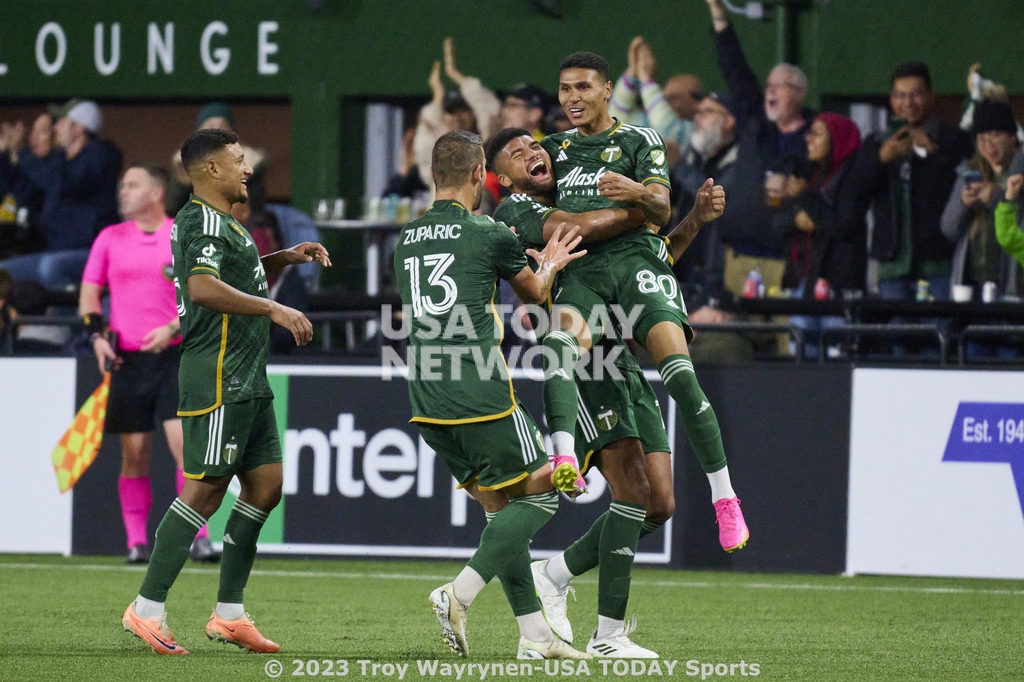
234, 437
634, 278
611, 410
494, 454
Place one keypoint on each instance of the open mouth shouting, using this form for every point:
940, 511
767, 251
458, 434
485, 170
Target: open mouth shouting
538, 169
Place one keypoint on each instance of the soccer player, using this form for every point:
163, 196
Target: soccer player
448, 263
620, 428
604, 163
225, 400
133, 259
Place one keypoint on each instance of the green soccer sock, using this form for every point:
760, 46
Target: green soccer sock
698, 416
561, 401
649, 527
510, 531
584, 554
240, 534
517, 580
619, 538
170, 551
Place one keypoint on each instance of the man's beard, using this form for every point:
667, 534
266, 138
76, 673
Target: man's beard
707, 142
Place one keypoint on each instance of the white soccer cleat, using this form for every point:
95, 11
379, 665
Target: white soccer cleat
452, 615
553, 601
556, 648
618, 645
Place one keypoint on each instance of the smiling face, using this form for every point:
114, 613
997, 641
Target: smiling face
819, 142
584, 96
911, 99
996, 146
232, 173
525, 166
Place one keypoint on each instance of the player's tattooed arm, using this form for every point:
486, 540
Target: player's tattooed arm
596, 225
535, 287
652, 199
708, 205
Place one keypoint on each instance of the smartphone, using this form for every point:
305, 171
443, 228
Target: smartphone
897, 123
970, 176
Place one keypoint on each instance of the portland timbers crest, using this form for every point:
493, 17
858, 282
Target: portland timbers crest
611, 154
607, 419
230, 452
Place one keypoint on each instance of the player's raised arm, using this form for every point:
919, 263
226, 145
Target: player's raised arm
652, 199
708, 205
534, 287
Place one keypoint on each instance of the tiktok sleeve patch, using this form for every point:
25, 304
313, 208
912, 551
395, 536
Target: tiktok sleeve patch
205, 254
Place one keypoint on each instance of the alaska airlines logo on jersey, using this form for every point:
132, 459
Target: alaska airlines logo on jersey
577, 178
424, 232
258, 271
209, 250
611, 154
658, 157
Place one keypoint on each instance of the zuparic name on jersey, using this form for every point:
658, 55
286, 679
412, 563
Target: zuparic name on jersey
423, 232
614, 320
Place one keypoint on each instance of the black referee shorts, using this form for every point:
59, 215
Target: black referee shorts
144, 392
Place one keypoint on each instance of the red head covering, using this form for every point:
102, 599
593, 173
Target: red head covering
845, 138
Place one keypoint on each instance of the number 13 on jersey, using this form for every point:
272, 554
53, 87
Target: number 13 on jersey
424, 303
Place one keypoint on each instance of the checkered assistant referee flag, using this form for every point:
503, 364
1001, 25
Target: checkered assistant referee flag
80, 443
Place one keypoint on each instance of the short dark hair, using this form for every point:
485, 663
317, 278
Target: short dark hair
496, 145
455, 156
160, 177
912, 70
200, 144
585, 60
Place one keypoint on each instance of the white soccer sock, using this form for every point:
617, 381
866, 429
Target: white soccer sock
533, 627
467, 585
563, 443
230, 611
558, 571
721, 486
147, 608
606, 627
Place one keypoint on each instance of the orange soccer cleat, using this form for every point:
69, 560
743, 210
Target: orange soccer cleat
153, 631
241, 632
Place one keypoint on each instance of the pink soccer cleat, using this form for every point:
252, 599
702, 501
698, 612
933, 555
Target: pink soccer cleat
732, 529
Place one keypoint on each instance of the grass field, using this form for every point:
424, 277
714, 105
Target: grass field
60, 620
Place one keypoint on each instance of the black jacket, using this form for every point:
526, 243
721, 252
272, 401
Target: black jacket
880, 187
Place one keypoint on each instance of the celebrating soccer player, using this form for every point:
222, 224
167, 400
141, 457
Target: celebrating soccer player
225, 400
448, 263
620, 429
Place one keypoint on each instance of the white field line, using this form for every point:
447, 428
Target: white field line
640, 583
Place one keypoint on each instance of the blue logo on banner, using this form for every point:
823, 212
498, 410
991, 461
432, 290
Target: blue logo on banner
989, 432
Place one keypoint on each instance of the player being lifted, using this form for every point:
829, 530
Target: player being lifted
605, 163
448, 263
620, 427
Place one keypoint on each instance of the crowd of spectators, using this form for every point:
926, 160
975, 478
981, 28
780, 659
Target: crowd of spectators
816, 207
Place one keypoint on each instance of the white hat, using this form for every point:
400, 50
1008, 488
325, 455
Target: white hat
88, 114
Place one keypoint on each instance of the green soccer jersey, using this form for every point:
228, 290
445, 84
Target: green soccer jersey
579, 162
448, 263
223, 357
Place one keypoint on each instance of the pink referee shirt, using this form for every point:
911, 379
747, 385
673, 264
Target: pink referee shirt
136, 267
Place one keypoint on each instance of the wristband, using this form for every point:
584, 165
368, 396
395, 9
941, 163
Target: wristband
94, 323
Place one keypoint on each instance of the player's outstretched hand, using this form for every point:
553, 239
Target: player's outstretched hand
559, 249
294, 321
306, 252
566, 477
710, 202
618, 187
